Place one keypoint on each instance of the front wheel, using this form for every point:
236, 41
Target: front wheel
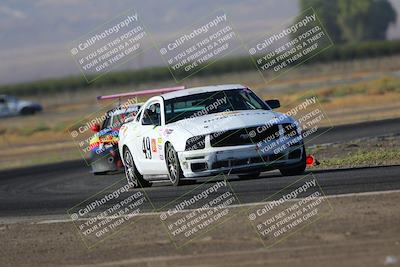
174, 168
132, 174
297, 170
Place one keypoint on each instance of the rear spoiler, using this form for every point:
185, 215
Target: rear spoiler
142, 93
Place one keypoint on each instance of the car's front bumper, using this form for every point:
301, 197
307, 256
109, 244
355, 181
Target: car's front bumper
238, 159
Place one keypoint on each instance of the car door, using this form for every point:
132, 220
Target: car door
148, 148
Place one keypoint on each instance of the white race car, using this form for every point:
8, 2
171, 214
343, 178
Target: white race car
206, 131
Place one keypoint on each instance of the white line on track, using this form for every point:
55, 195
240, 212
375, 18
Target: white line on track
49, 221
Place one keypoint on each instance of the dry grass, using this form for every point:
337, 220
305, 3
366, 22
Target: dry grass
377, 151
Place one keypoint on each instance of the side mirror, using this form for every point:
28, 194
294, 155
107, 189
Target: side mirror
95, 128
273, 103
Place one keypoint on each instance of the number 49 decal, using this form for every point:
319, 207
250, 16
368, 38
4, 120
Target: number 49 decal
146, 148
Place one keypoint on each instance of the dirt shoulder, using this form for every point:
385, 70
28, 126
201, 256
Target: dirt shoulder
361, 230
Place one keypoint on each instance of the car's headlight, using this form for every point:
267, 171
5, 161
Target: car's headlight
195, 143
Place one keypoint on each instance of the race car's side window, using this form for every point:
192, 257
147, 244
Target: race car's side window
138, 115
106, 122
152, 115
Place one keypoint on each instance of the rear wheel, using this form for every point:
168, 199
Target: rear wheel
174, 168
247, 176
27, 111
297, 170
132, 174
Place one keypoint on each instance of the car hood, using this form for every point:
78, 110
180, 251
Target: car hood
229, 120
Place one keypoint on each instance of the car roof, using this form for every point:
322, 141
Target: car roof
203, 89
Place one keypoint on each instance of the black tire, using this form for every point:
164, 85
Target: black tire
175, 173
133, 176
297, 170
27, 111
247, 176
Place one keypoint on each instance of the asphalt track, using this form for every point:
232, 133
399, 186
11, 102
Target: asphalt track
53, 189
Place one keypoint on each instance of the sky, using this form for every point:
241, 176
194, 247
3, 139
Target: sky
35, 35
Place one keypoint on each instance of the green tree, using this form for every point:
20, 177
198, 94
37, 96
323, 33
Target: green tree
363, 20
382, 15
327, 11
353, 21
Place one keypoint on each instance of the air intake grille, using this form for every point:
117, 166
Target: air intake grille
244, 136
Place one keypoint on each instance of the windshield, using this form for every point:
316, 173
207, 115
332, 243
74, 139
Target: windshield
116, 120
211, 102
119, 119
